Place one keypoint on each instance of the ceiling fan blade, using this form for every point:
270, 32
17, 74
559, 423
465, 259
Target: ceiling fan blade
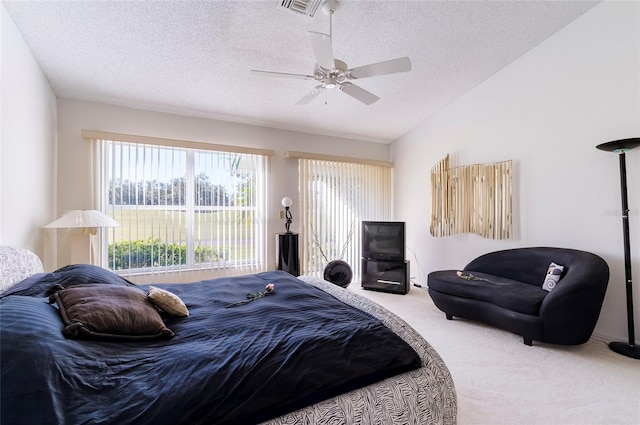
381, 68
311, 95
322, 49
283, 74
359, 93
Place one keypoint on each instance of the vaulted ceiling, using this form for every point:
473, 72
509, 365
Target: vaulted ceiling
195, 57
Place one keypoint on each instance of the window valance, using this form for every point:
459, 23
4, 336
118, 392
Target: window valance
160, 141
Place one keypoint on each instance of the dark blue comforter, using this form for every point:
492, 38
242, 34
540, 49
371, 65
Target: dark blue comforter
237, 365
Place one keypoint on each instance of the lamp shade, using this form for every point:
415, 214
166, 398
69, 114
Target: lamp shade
82, 219
621, 145
286, 202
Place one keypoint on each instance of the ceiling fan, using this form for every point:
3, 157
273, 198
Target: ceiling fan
332, 73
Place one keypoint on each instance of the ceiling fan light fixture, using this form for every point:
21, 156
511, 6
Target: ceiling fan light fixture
329, 7
331, 72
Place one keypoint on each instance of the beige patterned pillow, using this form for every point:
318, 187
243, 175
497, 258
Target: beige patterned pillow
168, 302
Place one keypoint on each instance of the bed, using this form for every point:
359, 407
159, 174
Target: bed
304, 352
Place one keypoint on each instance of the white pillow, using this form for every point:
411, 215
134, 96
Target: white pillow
168, 302
553, 276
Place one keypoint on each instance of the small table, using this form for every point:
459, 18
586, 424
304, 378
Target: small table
287, 258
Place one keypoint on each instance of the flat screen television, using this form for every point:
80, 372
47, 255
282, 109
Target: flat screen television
383, 240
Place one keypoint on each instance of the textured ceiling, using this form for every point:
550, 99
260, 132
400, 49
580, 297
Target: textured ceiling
195, 57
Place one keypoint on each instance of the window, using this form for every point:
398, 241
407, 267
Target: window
335, 197
182, 208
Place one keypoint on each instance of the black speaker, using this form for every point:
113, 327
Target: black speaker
338, 272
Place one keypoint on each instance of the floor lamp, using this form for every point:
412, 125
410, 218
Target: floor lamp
621, 146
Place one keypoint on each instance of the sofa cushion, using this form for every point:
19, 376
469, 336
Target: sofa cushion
509, 294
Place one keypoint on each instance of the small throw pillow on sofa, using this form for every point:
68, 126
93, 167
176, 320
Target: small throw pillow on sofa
168, 302
553, 276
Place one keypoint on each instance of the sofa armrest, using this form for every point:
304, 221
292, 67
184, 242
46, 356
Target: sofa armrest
574, 305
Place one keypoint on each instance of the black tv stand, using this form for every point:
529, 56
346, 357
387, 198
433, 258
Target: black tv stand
386, 276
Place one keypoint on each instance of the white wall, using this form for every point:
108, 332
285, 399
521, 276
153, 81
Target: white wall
547, 111
74, 175
27, 147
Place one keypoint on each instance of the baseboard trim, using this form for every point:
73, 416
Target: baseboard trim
602, 337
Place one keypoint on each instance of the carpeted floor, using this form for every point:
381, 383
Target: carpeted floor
499, 380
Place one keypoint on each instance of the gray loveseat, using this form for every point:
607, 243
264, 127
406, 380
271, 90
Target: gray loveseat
504, 289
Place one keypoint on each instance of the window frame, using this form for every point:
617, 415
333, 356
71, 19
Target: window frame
261, 156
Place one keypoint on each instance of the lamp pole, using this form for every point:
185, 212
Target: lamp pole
629, 349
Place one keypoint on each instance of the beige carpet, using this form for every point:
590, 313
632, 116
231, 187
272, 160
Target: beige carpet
499, 380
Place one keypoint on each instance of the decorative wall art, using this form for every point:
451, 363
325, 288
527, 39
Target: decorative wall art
471, 199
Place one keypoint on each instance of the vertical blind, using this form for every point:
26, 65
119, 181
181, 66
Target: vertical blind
336, 197
181, 208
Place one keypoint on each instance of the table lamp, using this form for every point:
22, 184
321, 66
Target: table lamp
286, 203
89, 220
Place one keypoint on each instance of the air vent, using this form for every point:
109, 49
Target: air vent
305, 7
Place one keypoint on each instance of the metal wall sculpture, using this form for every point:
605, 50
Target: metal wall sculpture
471, 199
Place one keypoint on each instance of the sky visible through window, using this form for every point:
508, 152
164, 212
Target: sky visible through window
136, 163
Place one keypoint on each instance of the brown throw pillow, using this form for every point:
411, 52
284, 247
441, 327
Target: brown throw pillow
109, 312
